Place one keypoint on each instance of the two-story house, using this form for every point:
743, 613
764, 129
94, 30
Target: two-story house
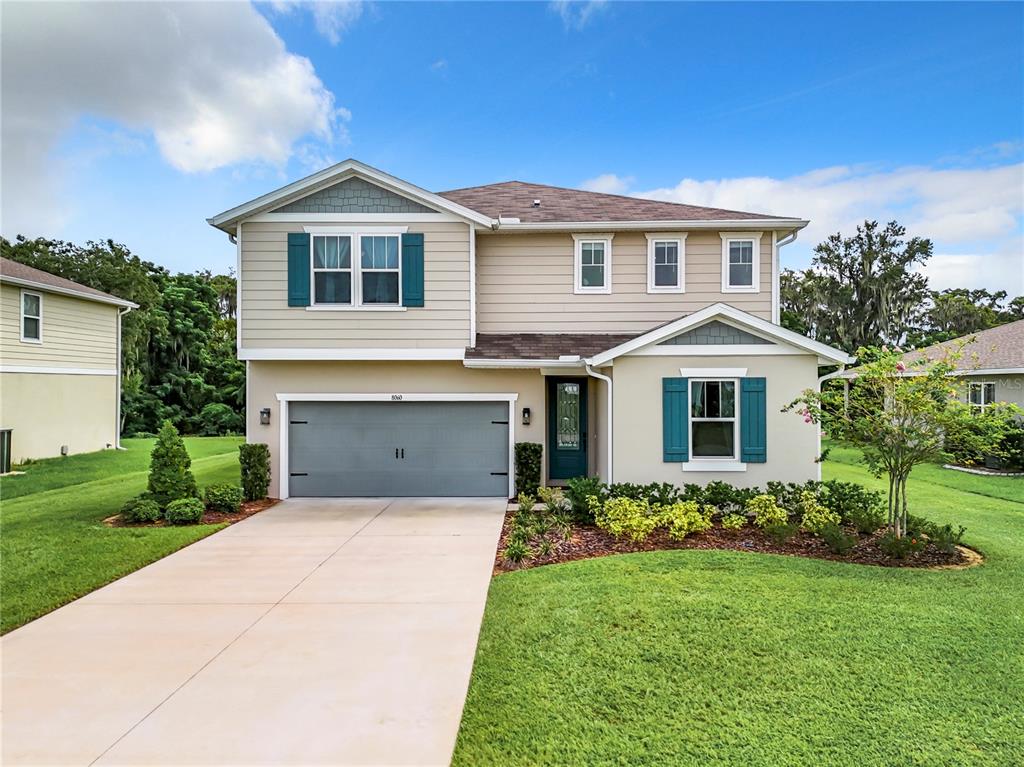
60, 363
400, 341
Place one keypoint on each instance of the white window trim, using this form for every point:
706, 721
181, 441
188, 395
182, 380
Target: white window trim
22, 315
981, 407
680, 240
720, 459
356, 269
729, 237
577, 283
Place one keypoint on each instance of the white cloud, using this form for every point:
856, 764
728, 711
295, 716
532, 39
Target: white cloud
576, 14
332, 18
441, 65
972, 215
608, 183
212, 83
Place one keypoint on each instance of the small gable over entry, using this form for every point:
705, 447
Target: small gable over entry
354, 195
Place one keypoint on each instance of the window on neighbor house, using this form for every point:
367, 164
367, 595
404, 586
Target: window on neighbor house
31, 317
981, 395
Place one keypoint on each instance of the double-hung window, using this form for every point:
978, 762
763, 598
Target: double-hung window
713, 419
741, 262
980, 395
343, 279
593, 264
666, 263
31, 317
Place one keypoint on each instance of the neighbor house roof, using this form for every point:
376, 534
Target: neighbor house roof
24, 276
999, 348
515, 199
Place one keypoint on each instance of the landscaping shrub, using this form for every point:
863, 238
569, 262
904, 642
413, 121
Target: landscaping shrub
815, 515
140, 509
837, 540
790, 494
766, 511
780, 532
254, 460
733, 521
516, 551
855, 504
526, 503
184, 511
170, 473
216, 419
684, 518
1013, 447
528, 457
577, 492
225, 498
661, 493
721, 495
630, 490
902, 547
944, 537
625, 517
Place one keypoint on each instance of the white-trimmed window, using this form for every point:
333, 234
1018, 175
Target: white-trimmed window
31, 317
371, 280
980, 395
741, 262
713, 423
593, 263
666, 263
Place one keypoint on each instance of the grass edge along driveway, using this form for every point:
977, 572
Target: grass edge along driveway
715, 657
53, 544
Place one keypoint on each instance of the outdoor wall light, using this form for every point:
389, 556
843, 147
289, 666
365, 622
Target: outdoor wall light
526, 416
265, 416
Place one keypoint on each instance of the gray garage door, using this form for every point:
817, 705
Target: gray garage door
398, 448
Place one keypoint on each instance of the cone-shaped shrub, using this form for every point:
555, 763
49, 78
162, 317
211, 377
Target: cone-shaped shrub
254, 458
170, 473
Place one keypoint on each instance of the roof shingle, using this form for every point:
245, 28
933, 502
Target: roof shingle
514, 199
997, 348
19, 271
542, 346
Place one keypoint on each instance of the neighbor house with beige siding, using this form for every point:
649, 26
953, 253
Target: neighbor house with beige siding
59, 363
400, 341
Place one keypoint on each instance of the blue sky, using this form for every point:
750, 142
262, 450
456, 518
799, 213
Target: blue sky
835, 112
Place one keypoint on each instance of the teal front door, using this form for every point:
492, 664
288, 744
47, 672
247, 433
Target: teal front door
567, 428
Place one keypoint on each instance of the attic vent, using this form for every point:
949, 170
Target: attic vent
536, 203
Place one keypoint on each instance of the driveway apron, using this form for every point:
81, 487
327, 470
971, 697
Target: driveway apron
321, 631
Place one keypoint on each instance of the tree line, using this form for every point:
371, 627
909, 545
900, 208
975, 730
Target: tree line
868, 291
178, 348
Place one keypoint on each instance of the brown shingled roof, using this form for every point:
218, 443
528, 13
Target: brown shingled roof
542, 346
18, 271
997, 348
514, 199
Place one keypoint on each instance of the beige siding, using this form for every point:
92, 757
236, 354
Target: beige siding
76, 333
49, 411
268, 379
268, 321
792, 444
525, 284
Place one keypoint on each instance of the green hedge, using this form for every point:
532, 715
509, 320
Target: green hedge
528, 457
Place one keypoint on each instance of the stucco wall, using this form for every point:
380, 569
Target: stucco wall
267, 379
47, 411
1009, 388
792, 444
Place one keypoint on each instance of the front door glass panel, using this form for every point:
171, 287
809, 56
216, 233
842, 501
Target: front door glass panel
567, 408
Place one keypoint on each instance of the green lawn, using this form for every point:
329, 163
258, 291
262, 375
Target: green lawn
715, 657
53, 544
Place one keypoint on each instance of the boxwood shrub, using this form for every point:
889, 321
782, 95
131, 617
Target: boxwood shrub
184, 511
140, 509
224, 498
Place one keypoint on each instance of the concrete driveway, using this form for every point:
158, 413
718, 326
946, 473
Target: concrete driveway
332, 631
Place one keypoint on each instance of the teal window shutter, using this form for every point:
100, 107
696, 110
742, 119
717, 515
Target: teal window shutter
753, 425
412, 269
675, 421
298, 269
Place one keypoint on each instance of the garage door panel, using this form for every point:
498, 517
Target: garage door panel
398, 448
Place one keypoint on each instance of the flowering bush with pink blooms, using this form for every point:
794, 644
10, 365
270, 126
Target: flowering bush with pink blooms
900, 415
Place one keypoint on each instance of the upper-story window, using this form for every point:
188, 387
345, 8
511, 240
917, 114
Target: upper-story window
372, 279
741, 262
593, 264
31, 317
666, 262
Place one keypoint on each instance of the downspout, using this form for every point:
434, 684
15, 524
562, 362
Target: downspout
117, 418
611, 444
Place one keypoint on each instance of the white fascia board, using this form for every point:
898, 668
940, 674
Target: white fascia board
351, 355
226, 220
44, 288
58, 370
485, 363
763, 327
753, 224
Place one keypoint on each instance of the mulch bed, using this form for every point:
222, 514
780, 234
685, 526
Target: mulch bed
588, 541
209, 517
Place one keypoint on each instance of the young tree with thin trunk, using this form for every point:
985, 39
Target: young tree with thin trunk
901, 415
